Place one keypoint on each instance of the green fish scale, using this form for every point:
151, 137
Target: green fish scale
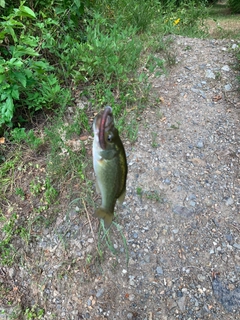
111, 177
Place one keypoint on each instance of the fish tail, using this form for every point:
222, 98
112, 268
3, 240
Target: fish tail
106, 216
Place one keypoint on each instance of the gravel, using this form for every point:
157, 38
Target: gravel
176, 255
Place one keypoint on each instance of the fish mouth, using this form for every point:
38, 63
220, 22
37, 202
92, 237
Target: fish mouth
106, 123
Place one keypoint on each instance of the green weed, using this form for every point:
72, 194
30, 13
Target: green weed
34, 313
7, 251
104, 236
130, 13
20, 192
7, 170
154, 139
154, 195
139, 191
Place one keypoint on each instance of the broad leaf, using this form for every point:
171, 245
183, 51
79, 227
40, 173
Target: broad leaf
27, 12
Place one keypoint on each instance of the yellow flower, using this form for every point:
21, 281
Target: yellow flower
175, 22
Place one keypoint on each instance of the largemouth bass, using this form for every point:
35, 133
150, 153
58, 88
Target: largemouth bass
110, 165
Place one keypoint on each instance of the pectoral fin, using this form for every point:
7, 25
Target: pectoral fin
106, 216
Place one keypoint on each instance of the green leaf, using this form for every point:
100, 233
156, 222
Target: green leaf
20, 51
77, 3
12, 33
2, 3
15, 63
21, 77
2, 77
7, 110
27, 12
29, 40
2, 70
15, 92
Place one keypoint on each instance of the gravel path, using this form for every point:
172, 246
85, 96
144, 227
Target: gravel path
180, 219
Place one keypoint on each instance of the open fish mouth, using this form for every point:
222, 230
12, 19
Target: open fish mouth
106, 123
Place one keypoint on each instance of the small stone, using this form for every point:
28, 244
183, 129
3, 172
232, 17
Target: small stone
175, 231
208, 202
171, 303
209, 74
124, 271
129, 315
226, 68
234, 46
192, 196
146, 258
89, 302
229, 238
11, 272
90, 240
192, 203
100, 293
229, 201
167, 181
228, 87
182, 303
131, 297
236, 245
135, 235
199, 144
159, 270
201, 277
131, 280
183, 211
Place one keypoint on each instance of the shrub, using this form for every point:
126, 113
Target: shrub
28, 83
234, 6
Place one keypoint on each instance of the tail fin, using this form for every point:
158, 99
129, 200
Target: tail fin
106, 216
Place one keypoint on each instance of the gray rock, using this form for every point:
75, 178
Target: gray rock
99, 293
11, 272
135, 235
200, 144
236, 245
182, 303
146, 258
228, 87
229, 238
167, 181
226, 68
192, 203
192, 196
89, 302
183, 211
229, 201
209, 74
159, 270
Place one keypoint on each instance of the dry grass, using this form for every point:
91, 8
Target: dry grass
223, 24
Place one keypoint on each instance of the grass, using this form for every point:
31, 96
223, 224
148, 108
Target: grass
222, 23
46, 169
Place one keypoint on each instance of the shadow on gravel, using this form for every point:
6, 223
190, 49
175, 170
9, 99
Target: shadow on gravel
230, 299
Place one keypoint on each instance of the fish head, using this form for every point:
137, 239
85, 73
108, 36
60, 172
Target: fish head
103, 128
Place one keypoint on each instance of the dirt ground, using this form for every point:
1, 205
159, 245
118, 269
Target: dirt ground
176, 245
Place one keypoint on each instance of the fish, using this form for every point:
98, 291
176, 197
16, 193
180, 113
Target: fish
110, 165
